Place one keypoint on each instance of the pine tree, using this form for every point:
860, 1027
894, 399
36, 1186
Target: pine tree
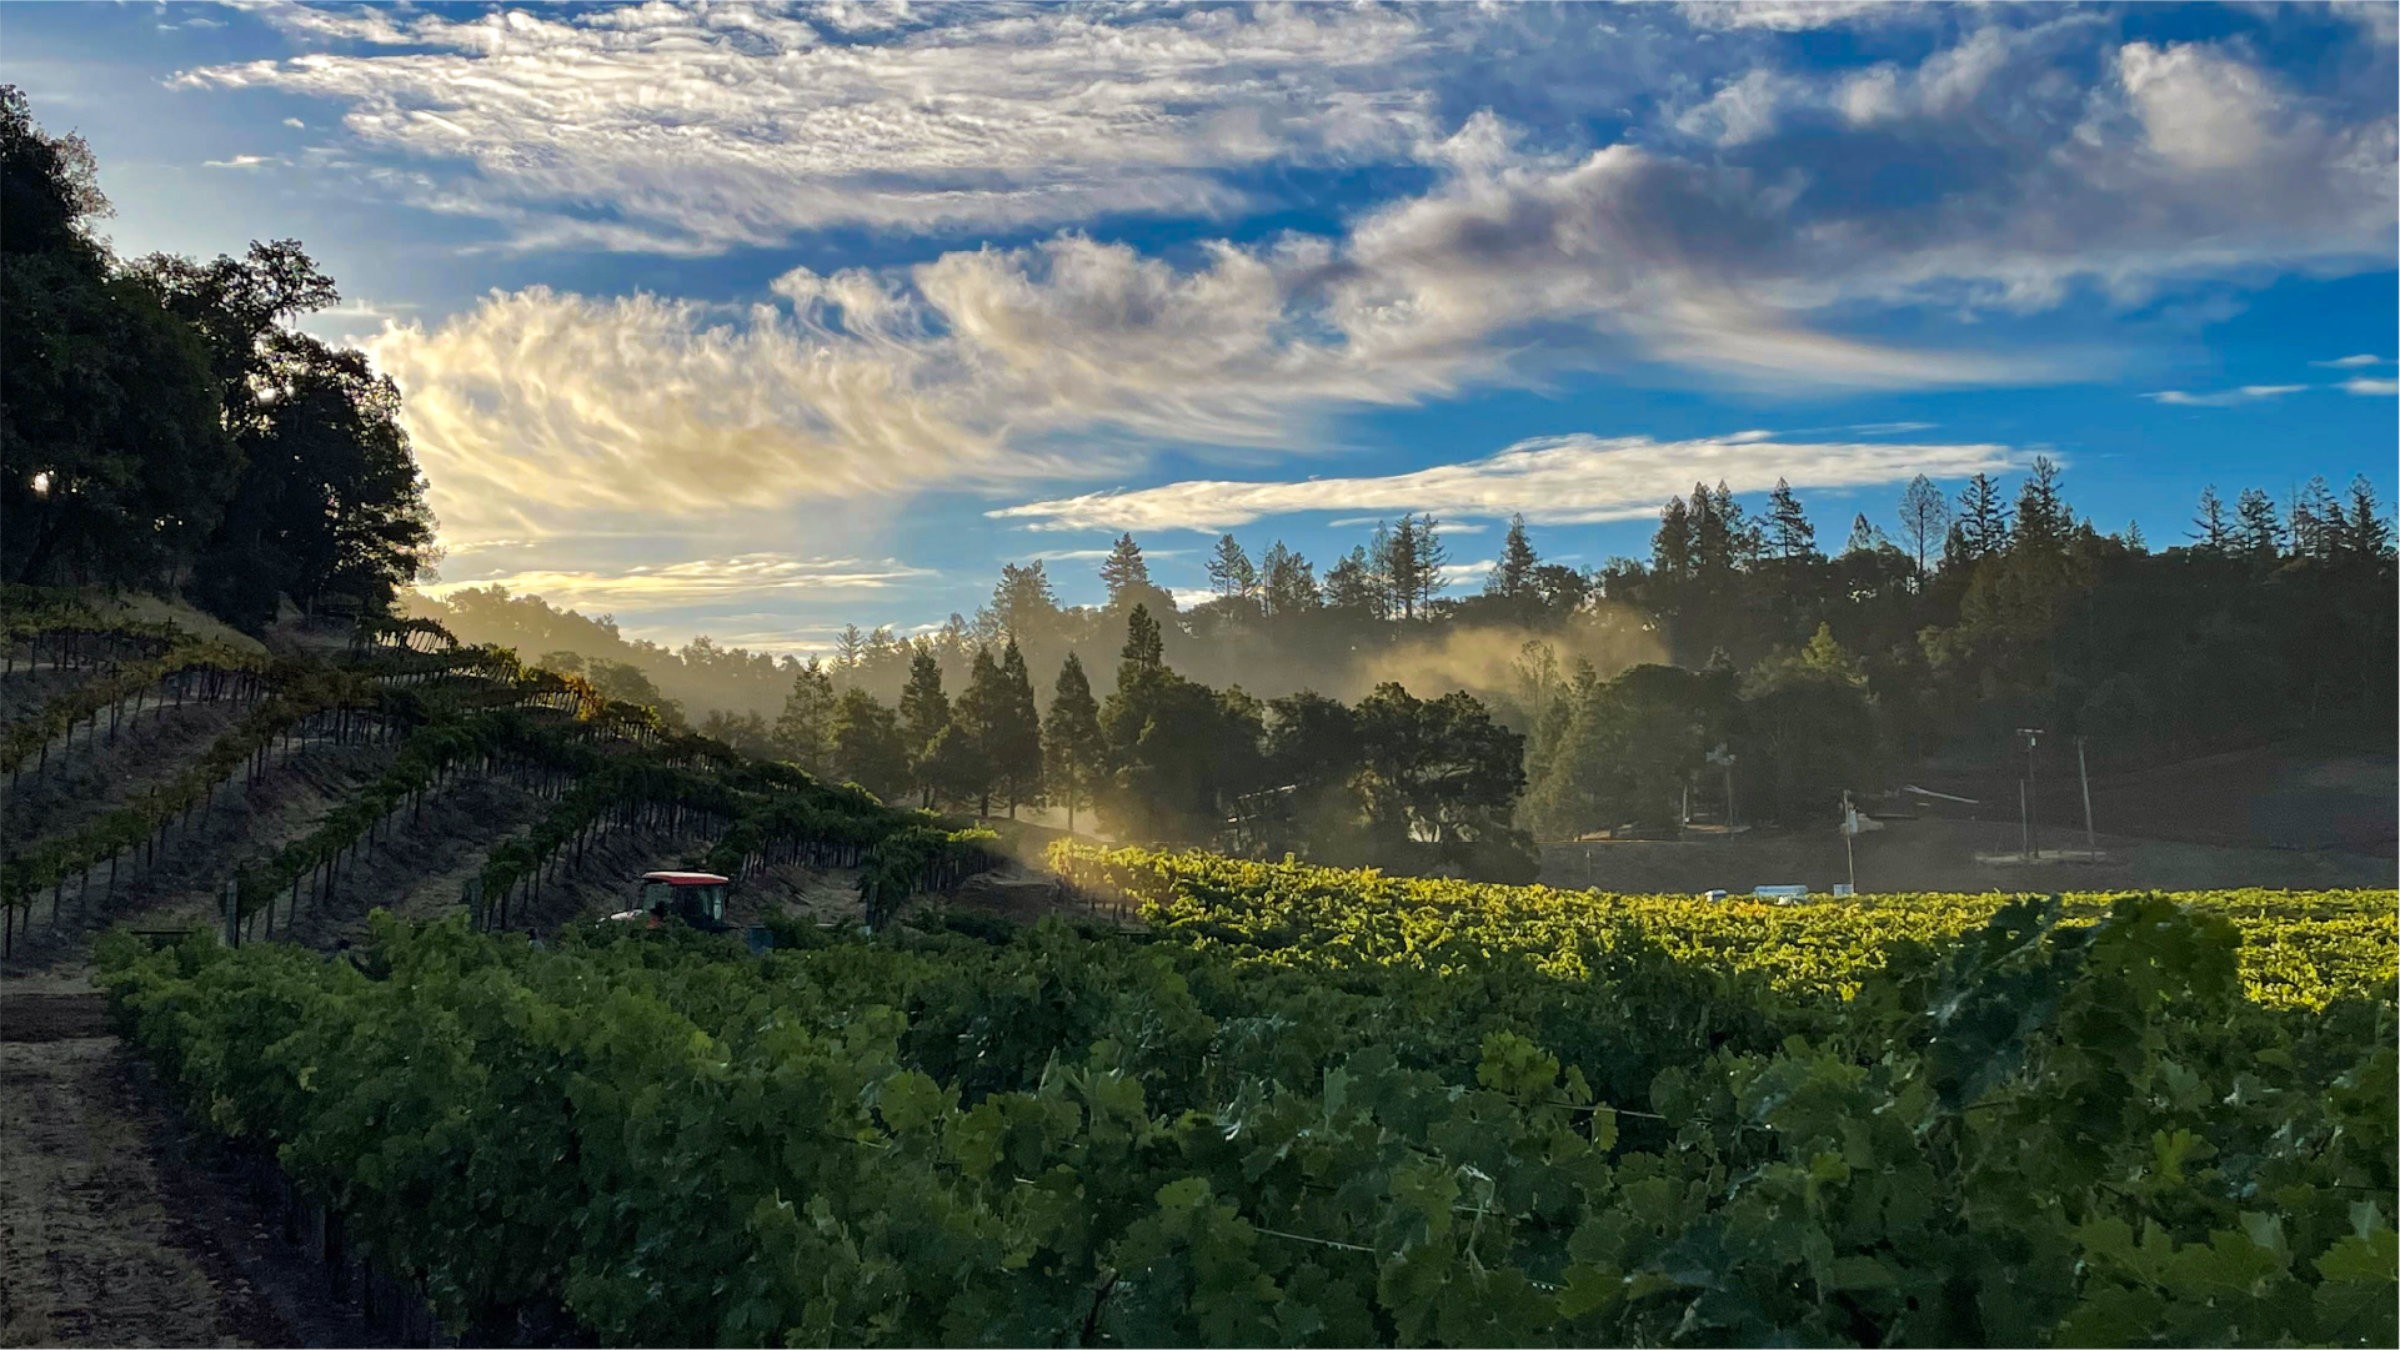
1023, 604
1788, 530
1432, 556
1924, 518
2210, 533
981, 715
1230, 573
1512, 579
1352, 585
1865, 536
2135, 542
1145, 652
1124, 569
924, 715
1672, 551
1742, 541
849, 649
2043, 519
868, 748
1290, 586
2366, 532
1713, 548
1016, 749
2316, 520
1071, 738
1403, 566
804, 732
1379, 570
2258, 533
1982, 523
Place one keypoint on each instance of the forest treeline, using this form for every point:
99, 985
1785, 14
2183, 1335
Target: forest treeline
1741, 670
163, 427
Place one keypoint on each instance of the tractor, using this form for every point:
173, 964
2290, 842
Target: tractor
696, 898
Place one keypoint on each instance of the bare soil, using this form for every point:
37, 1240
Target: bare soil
114, 1228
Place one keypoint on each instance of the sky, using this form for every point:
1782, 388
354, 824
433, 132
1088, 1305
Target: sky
756, 321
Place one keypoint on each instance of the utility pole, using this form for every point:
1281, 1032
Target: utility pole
1849, 838
2083, 771
2033, 795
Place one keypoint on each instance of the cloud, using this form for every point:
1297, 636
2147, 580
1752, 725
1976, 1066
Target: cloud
2351, 362
1891, 428
2043, 163
2224, 398
696, 581
656, 127
1577, 479
1786, 16
238, 162
2371, 388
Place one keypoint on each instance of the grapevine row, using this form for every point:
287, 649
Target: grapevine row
2300, 949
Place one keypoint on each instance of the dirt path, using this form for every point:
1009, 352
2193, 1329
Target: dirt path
114, 1228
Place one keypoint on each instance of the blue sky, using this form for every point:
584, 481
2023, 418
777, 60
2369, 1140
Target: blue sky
756, 321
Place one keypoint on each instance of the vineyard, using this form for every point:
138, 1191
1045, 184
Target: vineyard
1287, 1105
2299, 949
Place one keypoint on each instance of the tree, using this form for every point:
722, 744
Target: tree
1015, 743
849, 649
1672, 547
924, 715
1290, 585
1124, 572
1441, 777
2210, 533
2316, 520
2365, 532
1924, 518
1982, 522
329, 502
804, 731
955, 769
1865, 537
1144, 654
745, 732
1788, 532
1512, 577
2043, 521
1352, 587
1023, 603
868, 748
114, 463
980, 715
2259, 534
49, 185
1230, 573
1071, 738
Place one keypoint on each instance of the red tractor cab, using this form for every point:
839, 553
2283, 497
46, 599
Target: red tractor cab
695, 898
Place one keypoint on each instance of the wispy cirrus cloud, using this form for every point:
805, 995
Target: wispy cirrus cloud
1577, 479
662, 128
2224, 398
2351, 362
697, 581
2371, 387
